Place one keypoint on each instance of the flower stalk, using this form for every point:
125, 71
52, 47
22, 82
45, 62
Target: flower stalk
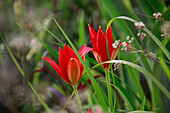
78, 99
115, 90
109, 90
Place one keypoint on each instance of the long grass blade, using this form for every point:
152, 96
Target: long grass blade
82, 39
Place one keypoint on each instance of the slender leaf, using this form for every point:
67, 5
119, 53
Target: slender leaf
82, 37
59, 89
143, 104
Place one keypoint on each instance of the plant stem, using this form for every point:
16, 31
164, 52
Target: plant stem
115, 90
109, 90
78, 99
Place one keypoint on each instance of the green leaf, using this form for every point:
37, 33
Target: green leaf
126, 95
102, 10
142, 107
59, 89
82, 36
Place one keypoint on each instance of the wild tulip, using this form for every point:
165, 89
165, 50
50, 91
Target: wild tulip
99, 46
70, 68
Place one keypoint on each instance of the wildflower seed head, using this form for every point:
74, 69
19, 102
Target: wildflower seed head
146, 55
165, 35
158, 16
141, 35
124, 48
152, 54
116, 43
139, 25
117, 66
127, 37
129, 41
132, 39
155, 15
162, 35
138, 34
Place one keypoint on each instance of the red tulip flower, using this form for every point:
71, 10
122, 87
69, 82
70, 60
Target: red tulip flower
99, 46
70, 68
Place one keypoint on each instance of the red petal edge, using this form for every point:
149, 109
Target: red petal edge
93, 36
83, 50
56, 67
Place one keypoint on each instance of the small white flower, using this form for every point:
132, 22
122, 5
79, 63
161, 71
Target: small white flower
116, 43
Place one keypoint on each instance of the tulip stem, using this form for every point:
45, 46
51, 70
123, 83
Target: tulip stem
78, 99
109, 90
115, 91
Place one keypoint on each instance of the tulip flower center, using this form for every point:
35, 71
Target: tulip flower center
73, 71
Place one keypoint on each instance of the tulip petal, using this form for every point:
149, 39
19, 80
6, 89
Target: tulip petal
109, 39
63, 61
101, 45
73, 71
114, 54
93, 36
97, 56
71, 53
63, 58
57, 68
110, 35
83, 50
